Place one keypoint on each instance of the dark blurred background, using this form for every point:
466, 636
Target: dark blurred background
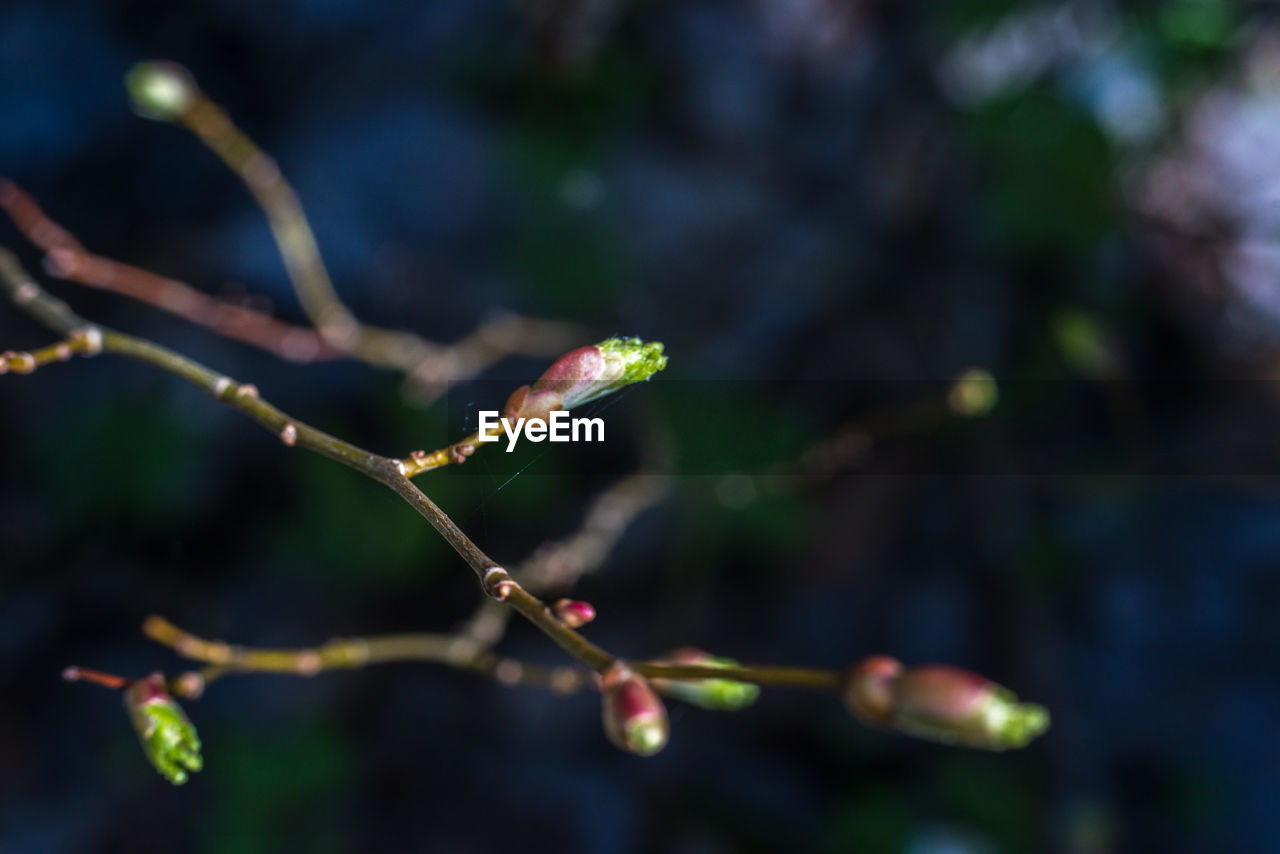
838, 204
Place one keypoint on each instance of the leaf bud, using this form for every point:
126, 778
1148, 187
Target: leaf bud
723, 695
943, 704
161, 90
634, 717
168, 738
574, 613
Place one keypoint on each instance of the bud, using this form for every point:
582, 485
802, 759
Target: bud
942, 704
573, 612
525, 402
586, 374
161, 90
1085, 345
168, 738
722, 695
973, 393
634, 718
868, 690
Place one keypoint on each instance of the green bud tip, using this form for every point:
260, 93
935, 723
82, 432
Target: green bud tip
161, 90
1011, 724
647, 737
586, 374
639, 359
943, 704
168, 738
635, 719
721, 695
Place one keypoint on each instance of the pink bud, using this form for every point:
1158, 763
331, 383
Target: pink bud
577, 368
587, 373
937, 692
868, 688
574, 613
527, 403
634, 717
941, 703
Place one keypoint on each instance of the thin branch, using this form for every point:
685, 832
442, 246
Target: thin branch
430, 366
244, 398
496, 581
351, 653
558, 565
421, 462
67, 259
297, 244
765, 675
425, 362
77, 343
97, 677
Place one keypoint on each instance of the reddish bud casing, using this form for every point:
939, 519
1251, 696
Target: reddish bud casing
574, 613
635, 719
941, 703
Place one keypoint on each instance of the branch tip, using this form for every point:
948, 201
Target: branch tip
97, 677
161, 89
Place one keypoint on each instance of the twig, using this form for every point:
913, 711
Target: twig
558, 565
425, 362
66, 258
351, 653
494, 579
78, 343
430, 366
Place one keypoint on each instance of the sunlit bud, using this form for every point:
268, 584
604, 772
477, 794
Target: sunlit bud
586, 374
943, 704
574, 613
868, 690
161, 89
723, 695
168, 738
973, 393
634, 718
956, 706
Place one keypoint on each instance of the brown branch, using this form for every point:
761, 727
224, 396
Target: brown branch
67, 259
429, 366
558, 565
351, 653
495, 580
920, 709
79, 342
422, 360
